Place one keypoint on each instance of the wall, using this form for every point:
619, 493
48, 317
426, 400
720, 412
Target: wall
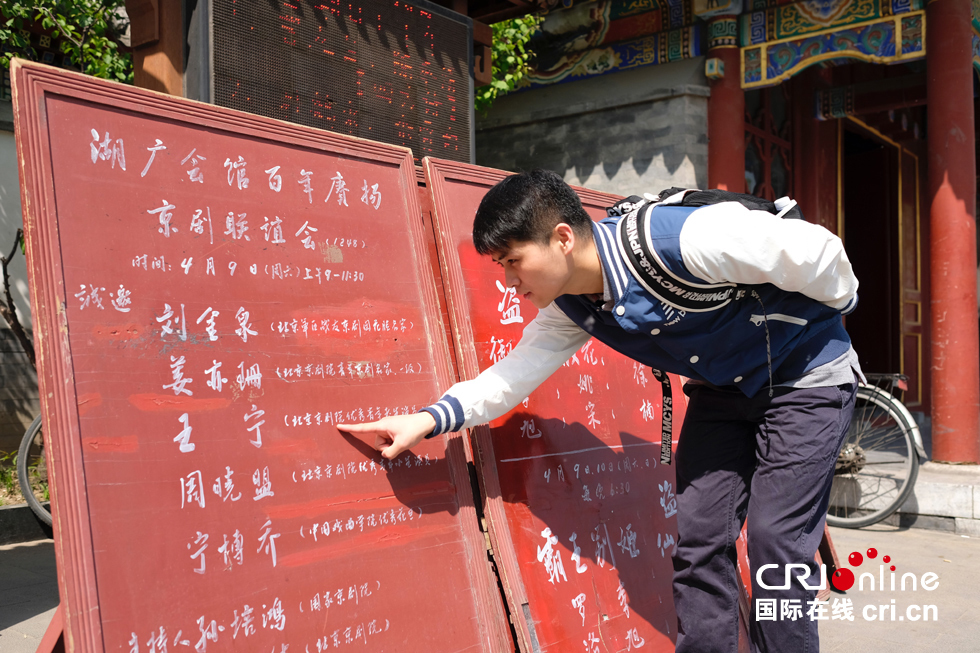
636, 131
18, 383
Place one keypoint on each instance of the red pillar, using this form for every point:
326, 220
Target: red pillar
726, 110
952, 196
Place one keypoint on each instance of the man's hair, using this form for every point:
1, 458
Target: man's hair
527, 207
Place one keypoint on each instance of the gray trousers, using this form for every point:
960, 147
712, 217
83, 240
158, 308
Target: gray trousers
769, 460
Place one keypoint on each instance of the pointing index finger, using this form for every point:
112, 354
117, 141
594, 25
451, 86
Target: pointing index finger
366, 427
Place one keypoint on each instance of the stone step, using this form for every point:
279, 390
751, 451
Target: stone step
946, 498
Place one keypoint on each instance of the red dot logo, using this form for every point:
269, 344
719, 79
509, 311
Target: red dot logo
843, 579
872, 553
886, 559
893, 567
855, 559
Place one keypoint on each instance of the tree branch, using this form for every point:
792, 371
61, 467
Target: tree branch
80, 44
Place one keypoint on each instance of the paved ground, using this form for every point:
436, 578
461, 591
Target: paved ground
954, 558
29, 594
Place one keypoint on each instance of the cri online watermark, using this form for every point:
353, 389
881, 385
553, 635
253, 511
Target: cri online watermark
843, 580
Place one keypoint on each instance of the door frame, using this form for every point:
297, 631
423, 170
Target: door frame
863, 128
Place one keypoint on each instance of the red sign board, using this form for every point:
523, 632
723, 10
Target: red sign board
581, 511
213, 292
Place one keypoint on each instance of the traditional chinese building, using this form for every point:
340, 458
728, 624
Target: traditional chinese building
862, 110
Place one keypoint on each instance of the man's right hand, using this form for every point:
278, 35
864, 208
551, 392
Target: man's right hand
393, 435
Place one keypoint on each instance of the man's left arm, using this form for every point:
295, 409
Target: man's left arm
729, 243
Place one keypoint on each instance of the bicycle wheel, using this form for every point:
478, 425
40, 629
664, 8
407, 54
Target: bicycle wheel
32, 470
878, 464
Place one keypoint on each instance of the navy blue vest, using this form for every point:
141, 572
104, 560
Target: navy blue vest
761, 334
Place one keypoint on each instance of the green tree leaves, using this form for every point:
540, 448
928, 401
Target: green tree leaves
87, 29
511, 58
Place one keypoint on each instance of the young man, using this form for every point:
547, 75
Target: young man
745, 304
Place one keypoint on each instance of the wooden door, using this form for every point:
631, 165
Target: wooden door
910, 277
881, 204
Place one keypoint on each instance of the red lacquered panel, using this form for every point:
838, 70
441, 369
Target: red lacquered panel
581, 511
214, 292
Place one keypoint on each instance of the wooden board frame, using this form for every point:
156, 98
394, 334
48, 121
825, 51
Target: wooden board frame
33, 84
481, 441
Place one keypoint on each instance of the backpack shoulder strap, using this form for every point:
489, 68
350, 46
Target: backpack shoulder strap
646, 267
783, 207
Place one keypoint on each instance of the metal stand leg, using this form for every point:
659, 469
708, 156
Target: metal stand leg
54, 639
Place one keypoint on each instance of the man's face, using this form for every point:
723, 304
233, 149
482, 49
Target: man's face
538, 271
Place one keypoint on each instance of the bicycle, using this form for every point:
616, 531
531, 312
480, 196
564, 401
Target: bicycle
32, 470
879, 461
31, 465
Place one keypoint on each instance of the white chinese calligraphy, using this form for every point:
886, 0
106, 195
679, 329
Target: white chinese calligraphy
551, 557
194, 174
153, 149
236, 173
108, 150
509, 305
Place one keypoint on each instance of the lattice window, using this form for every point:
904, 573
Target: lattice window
768, 143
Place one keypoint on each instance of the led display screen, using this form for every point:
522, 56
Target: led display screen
378, 69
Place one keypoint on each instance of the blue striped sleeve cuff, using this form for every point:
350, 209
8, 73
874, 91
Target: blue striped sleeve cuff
851, 305
448, 414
